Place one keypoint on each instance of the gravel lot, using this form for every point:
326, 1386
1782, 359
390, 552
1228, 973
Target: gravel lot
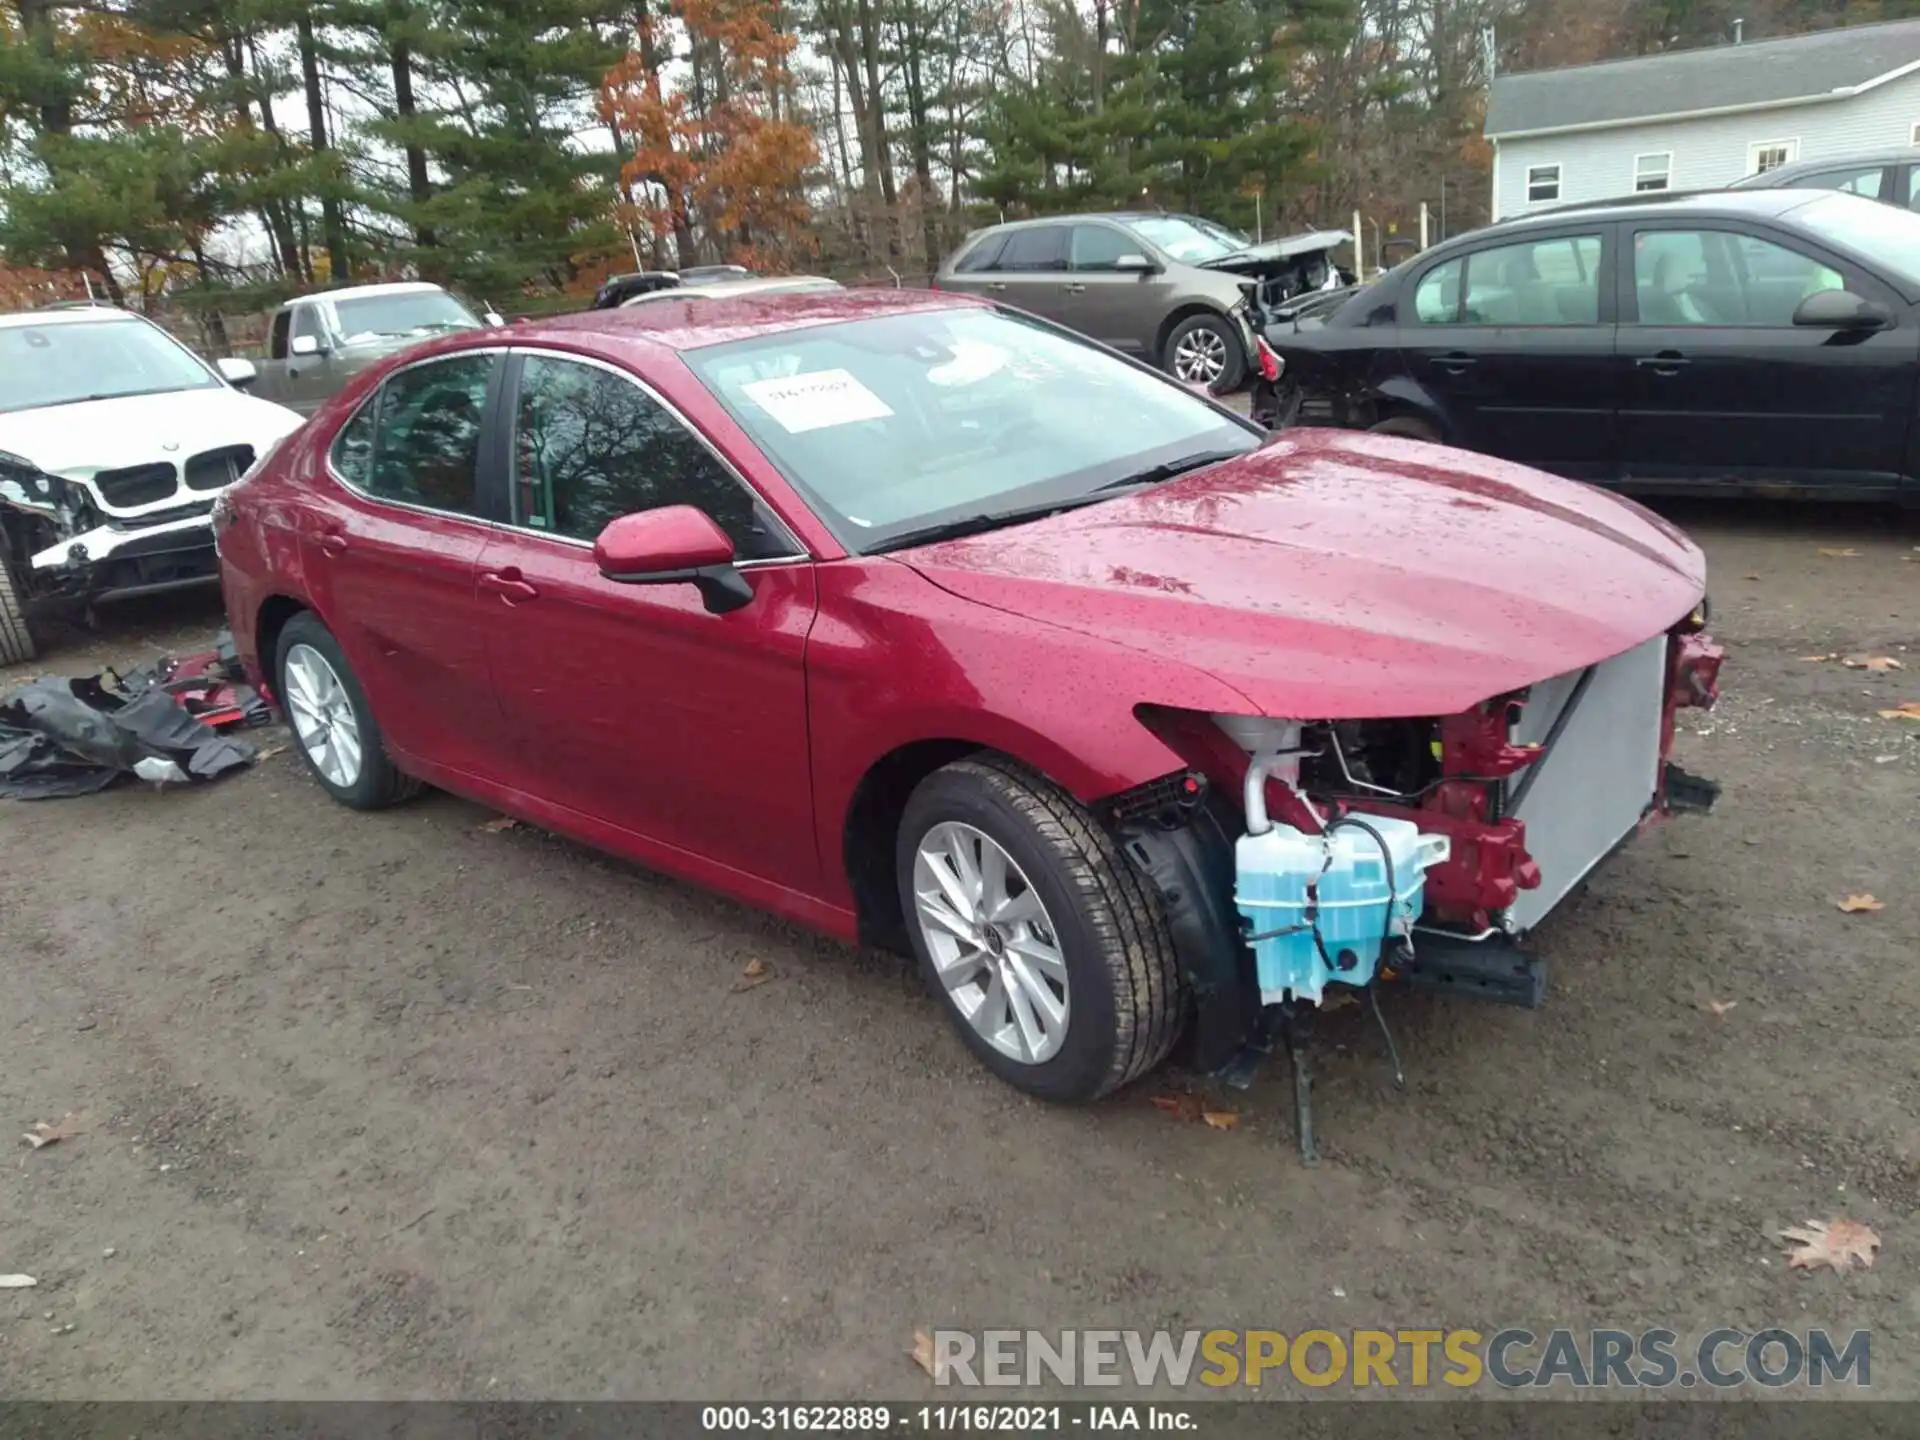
397, 1106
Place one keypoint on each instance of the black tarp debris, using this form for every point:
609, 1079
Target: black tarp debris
61, 737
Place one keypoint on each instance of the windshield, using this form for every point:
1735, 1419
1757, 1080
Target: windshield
904, 422
411, 312
1885, 236
1184, 240
60, 364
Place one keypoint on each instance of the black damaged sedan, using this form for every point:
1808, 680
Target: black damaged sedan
1756, 341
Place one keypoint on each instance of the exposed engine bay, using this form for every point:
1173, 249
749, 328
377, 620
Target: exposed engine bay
1296, 855
1279, 270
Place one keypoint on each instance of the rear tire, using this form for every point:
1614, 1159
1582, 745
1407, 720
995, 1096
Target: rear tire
333, 726
16, 639
1409, 427
1204, 349
1112, 975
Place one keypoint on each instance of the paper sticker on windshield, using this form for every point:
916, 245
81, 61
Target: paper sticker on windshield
816, 400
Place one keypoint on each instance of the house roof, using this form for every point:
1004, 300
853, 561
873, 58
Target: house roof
1761, 74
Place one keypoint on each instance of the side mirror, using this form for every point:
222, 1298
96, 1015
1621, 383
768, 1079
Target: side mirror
1841, 310
674, 545
1135, 265
304, 345
236, 372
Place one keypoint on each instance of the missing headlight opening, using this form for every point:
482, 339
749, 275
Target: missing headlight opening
1361, 852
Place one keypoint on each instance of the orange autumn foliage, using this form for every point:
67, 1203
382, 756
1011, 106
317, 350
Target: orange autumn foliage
734, 167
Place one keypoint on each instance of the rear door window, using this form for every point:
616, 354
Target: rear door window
1042, 248
981, 255
1538, 282
426, 441
1436, 299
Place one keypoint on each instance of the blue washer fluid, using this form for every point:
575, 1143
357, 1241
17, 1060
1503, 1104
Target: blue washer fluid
1289, 884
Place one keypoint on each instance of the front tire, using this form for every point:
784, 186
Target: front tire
1046, 948
1204, 350
16, 639
333, 726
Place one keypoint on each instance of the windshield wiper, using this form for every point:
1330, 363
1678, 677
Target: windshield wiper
1154, 474
993, 520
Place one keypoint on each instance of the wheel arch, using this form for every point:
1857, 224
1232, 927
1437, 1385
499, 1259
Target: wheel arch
1179, 316
268, 623
870, 820
1402, 395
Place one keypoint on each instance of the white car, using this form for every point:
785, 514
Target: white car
115, 440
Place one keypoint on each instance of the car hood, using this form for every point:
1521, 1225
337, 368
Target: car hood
1275, 256
135, 429
1332, 576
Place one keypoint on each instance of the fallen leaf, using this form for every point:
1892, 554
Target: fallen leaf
1837, 1243
17, 1282
1854, 904
922, 1352
758, 972
499, 823
269, 753
42, 1134
1172, 1104
1909, 711
1221, 1119
1719, 1007
1871, 662
1816, 658
1846, 554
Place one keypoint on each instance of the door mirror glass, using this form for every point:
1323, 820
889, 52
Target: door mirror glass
305, 345
237, 372
1135, 263
676, 543
1840, 310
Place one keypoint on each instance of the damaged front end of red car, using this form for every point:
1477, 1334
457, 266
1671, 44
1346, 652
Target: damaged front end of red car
1522, 797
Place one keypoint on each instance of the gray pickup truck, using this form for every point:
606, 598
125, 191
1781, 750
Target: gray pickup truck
319, 342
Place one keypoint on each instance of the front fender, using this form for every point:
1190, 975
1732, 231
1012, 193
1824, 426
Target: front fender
893, 660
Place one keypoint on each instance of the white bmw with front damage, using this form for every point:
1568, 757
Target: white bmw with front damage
115, 441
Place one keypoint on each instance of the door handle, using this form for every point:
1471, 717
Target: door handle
333, 543
1074, 289
1667, 362
1454, 361
508, 585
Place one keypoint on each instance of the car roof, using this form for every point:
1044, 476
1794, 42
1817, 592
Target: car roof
721, 289
1782, 176
1120, 215
1718, 204
683, 322
80, 315
390, 287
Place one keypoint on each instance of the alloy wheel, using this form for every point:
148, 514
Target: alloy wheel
993, 944
322, 715
1200, 357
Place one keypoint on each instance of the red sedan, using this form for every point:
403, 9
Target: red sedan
931, 625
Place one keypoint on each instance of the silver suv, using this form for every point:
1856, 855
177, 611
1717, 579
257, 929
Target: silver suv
1174, 290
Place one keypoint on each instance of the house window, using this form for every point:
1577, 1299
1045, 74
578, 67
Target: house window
1652, 172
1765, 155
1543, 183
1913, 136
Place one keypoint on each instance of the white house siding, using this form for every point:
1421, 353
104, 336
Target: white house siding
1707, 152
